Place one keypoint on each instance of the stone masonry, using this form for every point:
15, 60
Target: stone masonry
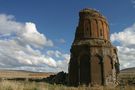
94, 59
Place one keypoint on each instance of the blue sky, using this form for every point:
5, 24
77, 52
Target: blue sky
57, 21
58, 18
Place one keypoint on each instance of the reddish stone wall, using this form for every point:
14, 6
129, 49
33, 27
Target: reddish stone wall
92, 26
96, 76
92, 54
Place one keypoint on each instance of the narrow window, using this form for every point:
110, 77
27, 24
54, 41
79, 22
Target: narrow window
87, 29
101, 33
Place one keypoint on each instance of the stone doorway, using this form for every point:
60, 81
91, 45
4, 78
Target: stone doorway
84, 70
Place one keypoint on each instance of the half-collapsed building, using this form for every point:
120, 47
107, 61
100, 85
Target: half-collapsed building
93, 59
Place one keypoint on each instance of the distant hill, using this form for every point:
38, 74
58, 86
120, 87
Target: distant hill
2, 70
128, 70
23, 74
127, 74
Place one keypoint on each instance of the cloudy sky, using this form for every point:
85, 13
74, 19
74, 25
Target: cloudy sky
36, 35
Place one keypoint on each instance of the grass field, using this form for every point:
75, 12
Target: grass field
24, 85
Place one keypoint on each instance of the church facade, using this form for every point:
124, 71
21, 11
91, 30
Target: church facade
94, 59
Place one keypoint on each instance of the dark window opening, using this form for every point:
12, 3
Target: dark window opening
87, 32
101, 33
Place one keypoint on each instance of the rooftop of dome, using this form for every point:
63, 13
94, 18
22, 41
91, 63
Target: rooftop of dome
89, 10
92, 12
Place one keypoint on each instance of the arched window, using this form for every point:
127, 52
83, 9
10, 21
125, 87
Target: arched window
87, 29
101, 33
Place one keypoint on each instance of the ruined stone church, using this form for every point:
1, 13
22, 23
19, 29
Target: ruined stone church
94, 59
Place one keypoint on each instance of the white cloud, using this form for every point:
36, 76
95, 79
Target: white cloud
133, 2
9, 25
126, 47
126, 37
25, 33
21, 45
54, 53
62, 40
63, 59
33, 37
126, 56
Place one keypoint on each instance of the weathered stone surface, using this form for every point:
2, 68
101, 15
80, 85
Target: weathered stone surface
93, 59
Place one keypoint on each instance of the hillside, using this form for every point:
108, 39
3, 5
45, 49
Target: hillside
128, 70
127, 75
23, 74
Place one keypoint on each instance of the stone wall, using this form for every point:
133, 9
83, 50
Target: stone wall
94, 59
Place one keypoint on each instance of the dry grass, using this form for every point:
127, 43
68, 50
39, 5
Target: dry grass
16, 85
